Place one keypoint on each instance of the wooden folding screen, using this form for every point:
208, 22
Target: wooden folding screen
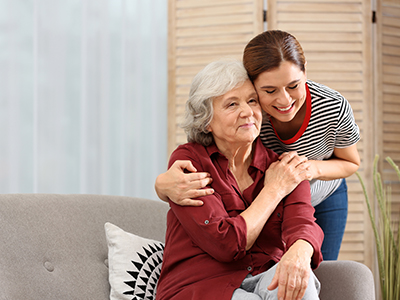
387, 80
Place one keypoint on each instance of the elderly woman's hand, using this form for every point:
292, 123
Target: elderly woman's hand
180, 187
293, 272
288, 172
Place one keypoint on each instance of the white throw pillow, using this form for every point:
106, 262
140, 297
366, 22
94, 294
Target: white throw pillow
134, 264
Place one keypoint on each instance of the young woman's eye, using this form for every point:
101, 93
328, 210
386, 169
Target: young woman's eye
270, 92
293, 87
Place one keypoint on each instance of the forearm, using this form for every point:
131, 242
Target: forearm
281, 178
257, 214
343, 163
333, 168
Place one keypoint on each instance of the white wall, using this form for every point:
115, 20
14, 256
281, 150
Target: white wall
83, 96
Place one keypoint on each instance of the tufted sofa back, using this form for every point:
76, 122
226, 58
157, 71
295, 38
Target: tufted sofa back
54, 247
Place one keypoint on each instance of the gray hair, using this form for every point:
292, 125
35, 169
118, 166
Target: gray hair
216, 79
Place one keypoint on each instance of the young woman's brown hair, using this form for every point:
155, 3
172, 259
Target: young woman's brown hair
267, 50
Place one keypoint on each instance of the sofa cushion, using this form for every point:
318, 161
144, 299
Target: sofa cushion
134, 264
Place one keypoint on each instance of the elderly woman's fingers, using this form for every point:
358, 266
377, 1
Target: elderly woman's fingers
289, 283
295, 288
294, 271
292, 285
286, 283
302, 292
301, 285
275, 280
282, 286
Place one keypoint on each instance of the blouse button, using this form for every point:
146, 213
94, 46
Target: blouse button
206, 222
249, 268
279, 215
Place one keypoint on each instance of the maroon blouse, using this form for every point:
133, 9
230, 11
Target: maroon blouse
205, 253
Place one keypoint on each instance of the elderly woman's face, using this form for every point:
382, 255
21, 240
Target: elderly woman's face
237, 116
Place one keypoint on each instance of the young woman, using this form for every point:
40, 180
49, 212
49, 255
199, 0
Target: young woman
300, 115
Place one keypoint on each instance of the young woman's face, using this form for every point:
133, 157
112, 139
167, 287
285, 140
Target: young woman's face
282, 91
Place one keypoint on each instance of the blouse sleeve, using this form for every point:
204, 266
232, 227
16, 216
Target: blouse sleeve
299, 222
209, 226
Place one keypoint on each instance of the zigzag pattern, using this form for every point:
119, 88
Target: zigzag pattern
146, 273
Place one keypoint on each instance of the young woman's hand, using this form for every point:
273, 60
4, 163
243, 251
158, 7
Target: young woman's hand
182, 187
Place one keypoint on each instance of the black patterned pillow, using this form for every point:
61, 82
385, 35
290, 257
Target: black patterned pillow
134, 264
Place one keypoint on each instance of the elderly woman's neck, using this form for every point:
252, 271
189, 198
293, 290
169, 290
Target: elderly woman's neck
239, 157
239, 163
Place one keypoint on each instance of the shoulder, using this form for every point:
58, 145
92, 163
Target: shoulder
263, 156
189, 151
327, 101
321, 94
321, 91
270, 154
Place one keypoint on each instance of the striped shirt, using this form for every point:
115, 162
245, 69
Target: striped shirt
329, 124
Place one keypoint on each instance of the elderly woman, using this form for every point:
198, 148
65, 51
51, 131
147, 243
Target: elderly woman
255, 237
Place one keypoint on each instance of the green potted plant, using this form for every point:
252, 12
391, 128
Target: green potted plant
386, 239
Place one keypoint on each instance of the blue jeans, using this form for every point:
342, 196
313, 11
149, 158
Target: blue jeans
331, 215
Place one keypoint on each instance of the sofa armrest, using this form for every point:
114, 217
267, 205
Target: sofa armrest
348, 280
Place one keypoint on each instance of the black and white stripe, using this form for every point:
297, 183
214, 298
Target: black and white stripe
331, 125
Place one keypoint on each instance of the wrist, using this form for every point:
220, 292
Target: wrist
271, 194
304, 247
316, 169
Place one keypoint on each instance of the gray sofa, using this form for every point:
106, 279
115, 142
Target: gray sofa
54, 247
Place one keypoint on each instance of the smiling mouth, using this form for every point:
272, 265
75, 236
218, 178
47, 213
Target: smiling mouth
284, 109
247, 125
